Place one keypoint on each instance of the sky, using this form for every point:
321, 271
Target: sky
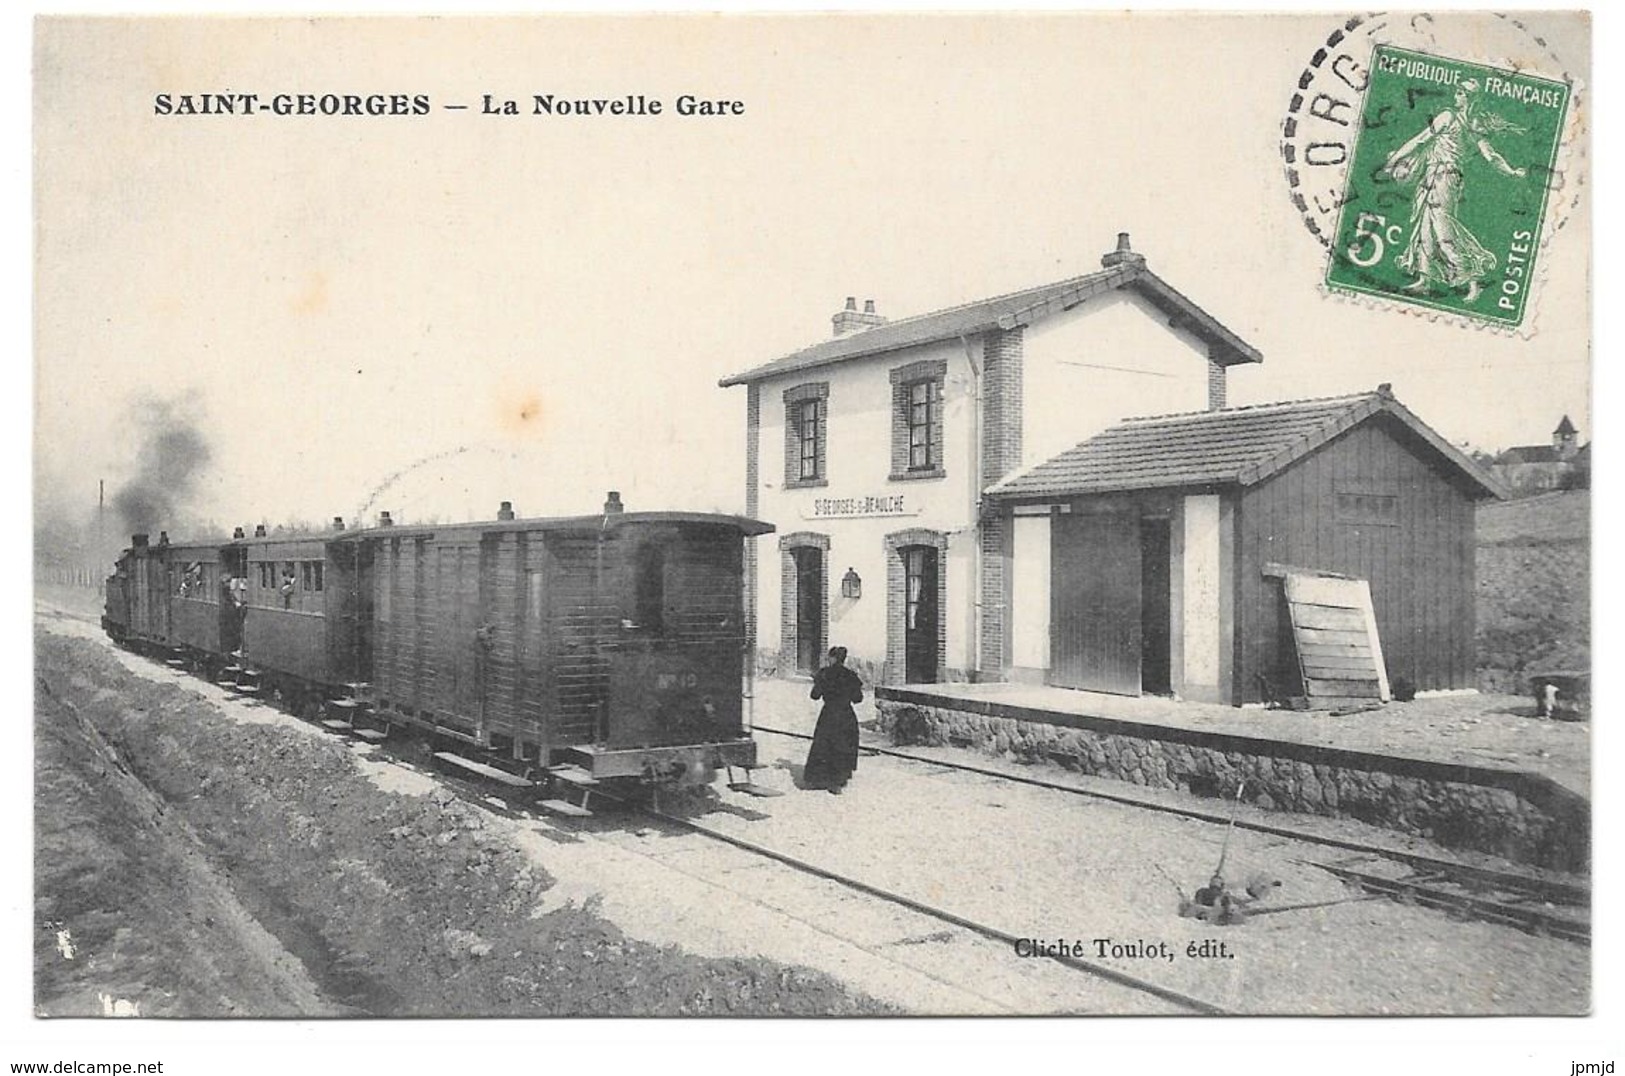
540, 307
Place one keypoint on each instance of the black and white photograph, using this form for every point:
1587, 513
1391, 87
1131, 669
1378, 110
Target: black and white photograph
840, 516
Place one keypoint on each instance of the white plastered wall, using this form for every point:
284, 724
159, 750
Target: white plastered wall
1112, 358
1201, 618
857, 464
1030, 604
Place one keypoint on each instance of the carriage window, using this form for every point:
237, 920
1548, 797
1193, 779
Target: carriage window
649, 596
305, 574
316, 574
265, 575
533, 597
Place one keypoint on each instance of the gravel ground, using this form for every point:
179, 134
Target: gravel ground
194, 866
614, 877
1048, 864
131, 916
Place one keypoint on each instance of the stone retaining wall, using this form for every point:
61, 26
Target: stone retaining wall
1518, 815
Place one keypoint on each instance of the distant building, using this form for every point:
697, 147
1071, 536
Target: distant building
872, 451
1563, 464
1151, 557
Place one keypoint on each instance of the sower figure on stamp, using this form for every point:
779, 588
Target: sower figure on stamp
834, 753
1441, 249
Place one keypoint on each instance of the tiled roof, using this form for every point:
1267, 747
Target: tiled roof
1530, 454
1008, 312
1234, 446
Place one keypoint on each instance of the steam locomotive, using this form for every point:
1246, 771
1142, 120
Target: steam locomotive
609, 646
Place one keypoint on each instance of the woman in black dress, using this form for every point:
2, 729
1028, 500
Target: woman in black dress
834, 753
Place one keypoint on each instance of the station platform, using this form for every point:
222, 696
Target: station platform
1467, 771
1497, 732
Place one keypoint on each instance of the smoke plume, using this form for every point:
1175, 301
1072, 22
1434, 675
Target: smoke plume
170, 457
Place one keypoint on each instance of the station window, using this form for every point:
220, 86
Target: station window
806, 434
810, 435
917, 420
924, 423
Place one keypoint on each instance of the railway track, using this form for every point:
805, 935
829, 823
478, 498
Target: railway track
504, 803
1510, 904
1088, 967
1532, 902
515, 805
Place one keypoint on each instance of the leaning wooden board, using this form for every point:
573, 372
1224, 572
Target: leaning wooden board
1335, 630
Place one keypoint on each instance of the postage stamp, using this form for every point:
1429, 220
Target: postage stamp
1448, 186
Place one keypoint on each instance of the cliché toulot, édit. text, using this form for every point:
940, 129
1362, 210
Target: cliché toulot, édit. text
1113, 949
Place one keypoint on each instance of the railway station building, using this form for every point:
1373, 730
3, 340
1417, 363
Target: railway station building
873, 452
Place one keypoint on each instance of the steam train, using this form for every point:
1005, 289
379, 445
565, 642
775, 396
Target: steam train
609, 646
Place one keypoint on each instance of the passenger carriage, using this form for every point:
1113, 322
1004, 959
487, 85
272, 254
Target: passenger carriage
588, 648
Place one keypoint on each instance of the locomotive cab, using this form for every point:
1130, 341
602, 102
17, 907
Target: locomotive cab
677, 655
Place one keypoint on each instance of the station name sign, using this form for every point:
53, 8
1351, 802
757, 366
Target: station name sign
859, 507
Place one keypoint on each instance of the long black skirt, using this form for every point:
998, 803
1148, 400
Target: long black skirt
834, 753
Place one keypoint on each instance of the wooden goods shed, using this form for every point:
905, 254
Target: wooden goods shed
1152, 557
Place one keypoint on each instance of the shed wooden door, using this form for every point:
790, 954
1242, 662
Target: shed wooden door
458, 691
1095, 601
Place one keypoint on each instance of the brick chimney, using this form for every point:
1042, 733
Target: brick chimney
1123, 255
853, 320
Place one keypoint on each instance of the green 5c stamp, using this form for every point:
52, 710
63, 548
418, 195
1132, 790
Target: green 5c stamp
1447, 189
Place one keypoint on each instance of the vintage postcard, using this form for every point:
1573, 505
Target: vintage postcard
818, 515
